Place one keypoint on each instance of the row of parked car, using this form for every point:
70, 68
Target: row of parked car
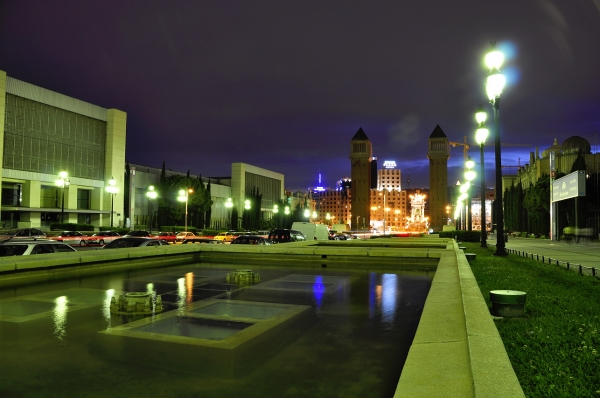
27, 241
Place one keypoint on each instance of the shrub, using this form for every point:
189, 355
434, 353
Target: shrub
462, 236
65, 226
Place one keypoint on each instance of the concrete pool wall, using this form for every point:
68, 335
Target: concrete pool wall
456, 352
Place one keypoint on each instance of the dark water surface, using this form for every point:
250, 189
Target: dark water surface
354, 345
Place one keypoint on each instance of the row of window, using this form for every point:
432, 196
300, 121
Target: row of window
50, 196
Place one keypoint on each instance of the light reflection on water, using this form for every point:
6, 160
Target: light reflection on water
108, 295
181, 295
59, 316
318, 291
384, 294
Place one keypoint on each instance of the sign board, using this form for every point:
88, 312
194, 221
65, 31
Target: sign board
389, 164
569, 186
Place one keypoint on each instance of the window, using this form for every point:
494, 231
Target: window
62, 248
42, 249
83, 198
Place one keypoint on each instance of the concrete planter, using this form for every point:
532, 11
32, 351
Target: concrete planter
508, 303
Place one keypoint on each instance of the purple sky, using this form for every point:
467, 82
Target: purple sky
284, 85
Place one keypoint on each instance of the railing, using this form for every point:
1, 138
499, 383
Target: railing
581, 269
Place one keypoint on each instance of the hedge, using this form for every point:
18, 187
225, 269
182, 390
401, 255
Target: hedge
65, 226
462, 236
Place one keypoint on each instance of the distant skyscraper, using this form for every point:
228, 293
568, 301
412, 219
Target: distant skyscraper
361, 153
438, 154
390, 179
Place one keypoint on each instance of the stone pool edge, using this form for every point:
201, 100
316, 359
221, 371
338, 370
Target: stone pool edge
457, 350
466, 358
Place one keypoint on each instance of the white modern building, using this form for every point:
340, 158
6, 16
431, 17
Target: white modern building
44, 135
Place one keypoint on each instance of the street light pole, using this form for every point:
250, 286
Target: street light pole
183, 197
481, 135
469, 176
151, 194
494, 86
63, 182
229, 205
112, 190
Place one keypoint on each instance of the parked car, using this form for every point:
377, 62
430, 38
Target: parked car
24, 233
226, 236
183, 236
286, 235
100, 238
30, 246
169, 237
71, 238
133, 242
137, 233
251, 240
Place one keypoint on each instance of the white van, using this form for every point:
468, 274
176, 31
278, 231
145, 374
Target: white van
311, 230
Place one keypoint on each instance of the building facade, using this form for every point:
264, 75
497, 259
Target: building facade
438, 154
44, 134
361, 153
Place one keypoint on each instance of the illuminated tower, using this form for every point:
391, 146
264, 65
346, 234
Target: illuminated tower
438, 154
361, 154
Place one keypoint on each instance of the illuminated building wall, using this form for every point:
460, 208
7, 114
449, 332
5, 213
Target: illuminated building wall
43, 133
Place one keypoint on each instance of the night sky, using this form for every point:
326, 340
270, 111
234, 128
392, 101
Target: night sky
285, 85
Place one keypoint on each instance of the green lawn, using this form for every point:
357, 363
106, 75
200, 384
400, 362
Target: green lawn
554, 348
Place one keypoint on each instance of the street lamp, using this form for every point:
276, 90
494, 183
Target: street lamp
314, 216
481, 135
494, 86
229, 205
112, 190
151, 194
469, 176
63, 182
328, 218
184, 195
307, 213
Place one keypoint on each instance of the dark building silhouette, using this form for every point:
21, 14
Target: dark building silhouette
361, 154
438, 154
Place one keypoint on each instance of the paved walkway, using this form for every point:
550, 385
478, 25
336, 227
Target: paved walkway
585, 253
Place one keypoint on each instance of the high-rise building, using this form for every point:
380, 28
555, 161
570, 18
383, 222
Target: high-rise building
361, 153
438, 154
390, 179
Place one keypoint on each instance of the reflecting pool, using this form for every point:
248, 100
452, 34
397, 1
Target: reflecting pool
299, 331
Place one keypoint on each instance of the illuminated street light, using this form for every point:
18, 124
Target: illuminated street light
229, 205
481, 135
494, 86
184, 197
469, 176
63, 182
112, 190
151, 194
307, 213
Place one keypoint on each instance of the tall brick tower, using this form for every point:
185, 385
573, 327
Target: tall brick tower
438, 154
361, 154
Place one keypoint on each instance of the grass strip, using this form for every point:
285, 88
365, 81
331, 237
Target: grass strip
554, 348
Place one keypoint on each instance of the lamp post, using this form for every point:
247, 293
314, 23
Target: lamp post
307, 214
245, 217
63, 182
481, 135
151, 194
385, 209
494, 85
229, 205
469, 176
112, 190
184, 195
